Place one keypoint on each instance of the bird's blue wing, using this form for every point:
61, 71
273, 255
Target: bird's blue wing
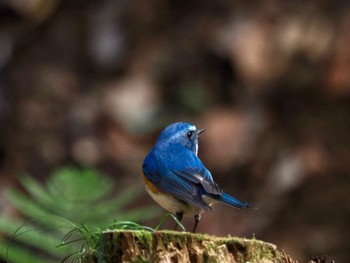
180, 172
177, 183
192, 169
182, 189
200, 176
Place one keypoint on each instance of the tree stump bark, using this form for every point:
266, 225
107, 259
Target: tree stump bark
171, 246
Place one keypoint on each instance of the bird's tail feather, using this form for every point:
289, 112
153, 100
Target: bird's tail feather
226, 198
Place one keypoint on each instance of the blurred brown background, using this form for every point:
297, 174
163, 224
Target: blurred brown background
90, 82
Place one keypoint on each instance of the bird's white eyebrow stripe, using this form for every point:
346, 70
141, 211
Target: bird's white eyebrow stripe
192, 128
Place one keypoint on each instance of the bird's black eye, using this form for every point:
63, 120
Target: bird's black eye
189, 134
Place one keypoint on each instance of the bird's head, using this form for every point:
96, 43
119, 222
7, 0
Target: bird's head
183, 133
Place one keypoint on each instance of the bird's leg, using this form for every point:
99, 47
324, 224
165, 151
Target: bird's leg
179, 216
196, 221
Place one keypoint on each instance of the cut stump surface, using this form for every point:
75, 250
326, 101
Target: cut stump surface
172, 246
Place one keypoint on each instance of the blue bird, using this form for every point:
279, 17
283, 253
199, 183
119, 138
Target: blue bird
177, 179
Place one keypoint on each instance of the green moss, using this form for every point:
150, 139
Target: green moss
259, 250
145, 238
141, 260
248, 249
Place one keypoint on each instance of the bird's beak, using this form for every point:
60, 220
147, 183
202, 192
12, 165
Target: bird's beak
199, 131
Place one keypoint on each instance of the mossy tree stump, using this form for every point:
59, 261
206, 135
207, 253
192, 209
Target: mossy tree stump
172, 246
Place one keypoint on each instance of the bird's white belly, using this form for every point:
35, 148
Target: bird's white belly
173, 205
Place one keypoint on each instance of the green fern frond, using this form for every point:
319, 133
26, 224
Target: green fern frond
52, 213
